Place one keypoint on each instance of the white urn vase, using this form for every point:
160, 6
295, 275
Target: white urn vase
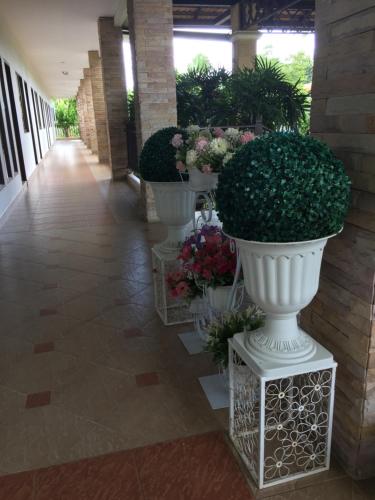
219, 297
175, 206
282, 279
198, 181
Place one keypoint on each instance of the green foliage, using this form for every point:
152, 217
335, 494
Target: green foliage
158, 158
199, 96
232, 323
210, 97
264, 92
200, 62
131, 106
283, 187
66, 113
298, 69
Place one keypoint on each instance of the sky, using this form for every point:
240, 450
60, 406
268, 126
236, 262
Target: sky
278, 45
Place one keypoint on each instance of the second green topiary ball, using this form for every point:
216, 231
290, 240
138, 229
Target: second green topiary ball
157, 162
283, 187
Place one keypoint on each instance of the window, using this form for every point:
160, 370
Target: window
42, 113
21, 93
8, 119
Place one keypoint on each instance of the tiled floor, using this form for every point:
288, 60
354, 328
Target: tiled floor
86, 367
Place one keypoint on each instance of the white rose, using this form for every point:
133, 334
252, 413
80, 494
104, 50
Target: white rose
232, 132
191, 157
219, 146
193, 129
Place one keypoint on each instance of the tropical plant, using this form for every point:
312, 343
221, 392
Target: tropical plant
157, 162
219, 332
211, 97
66, 114
199, 96
283, 187
264, 92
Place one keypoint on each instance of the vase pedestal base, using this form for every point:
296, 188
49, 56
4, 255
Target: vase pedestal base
192, 342
216, 390
281, 414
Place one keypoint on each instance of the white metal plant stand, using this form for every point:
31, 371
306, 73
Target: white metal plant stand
281, 416
172, 311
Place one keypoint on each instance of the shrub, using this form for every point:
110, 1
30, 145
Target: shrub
220, 331
158, 158
283, 187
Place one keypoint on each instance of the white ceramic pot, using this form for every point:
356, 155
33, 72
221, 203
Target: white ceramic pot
175, 206
282, 279
198, 181
218, 297
198, 305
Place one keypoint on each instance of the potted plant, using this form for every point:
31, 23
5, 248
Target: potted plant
219, 332
175, 203
204, 153
281, 197
211, 260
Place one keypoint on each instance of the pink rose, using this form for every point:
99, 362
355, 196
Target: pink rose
219, 132
201, 144
207, 169
247, 137
181, 166
177, 141
182, 288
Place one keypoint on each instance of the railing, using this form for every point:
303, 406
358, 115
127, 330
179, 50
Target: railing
68, 133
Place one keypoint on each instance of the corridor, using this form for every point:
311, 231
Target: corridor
86, 367
99, 401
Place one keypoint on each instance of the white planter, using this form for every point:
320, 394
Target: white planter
198, 305
198, 181
281, 278
175, 206
218, 297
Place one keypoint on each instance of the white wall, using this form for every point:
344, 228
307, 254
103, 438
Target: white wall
12, 54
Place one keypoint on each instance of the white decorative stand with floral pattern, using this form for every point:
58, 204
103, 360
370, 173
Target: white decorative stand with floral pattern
281, 415
171, 311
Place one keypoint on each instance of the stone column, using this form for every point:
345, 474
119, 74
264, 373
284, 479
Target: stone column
91, 126
80, 111
342, 315
99, 106
151, 37
86, 138
244, 43
113, 73
244, 49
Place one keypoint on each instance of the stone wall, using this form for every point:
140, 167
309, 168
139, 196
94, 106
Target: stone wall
342, 315
113, 72
99, 105
90, 122
151, 37
80, 111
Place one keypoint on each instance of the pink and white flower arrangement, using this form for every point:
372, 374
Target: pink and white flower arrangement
206, 149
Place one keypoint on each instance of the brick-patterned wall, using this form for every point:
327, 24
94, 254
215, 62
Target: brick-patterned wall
99, 105
80, 111
113, 72
91, 125
151, 37
342, 315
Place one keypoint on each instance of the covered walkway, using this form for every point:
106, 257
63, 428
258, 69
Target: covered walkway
89, 377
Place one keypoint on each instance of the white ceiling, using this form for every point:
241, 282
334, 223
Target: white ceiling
55, 36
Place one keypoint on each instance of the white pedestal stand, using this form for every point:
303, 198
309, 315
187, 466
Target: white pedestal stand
281, 415
171, 311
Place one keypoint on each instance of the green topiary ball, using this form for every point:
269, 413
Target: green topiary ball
283, 187
157, 162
